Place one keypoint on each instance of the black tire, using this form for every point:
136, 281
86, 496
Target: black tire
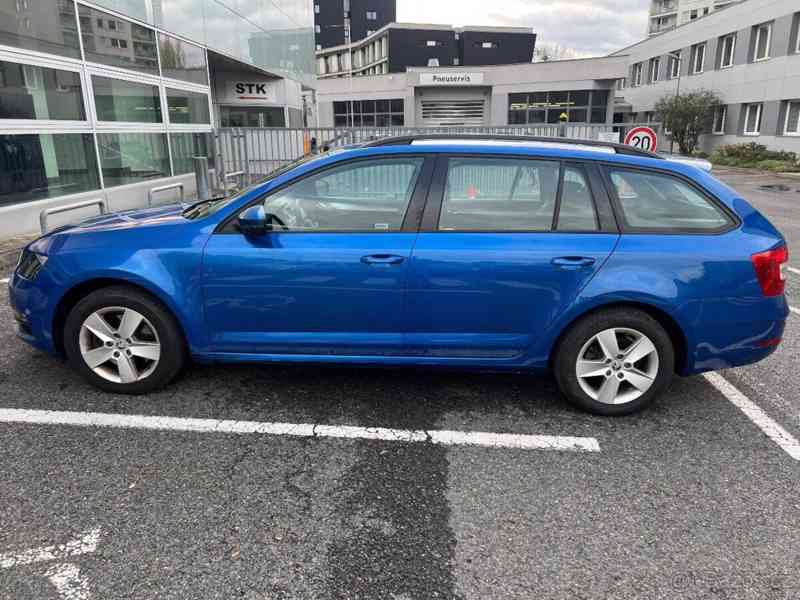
566, 357
173, 347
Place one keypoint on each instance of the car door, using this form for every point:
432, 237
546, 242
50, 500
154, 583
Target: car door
506, 245
330, 278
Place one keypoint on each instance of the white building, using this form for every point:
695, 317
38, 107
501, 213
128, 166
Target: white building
668, 14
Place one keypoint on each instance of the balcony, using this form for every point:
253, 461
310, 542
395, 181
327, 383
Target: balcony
659, 9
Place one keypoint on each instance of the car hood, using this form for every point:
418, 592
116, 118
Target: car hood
128, 220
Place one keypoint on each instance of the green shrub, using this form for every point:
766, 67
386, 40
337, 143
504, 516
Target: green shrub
755, 156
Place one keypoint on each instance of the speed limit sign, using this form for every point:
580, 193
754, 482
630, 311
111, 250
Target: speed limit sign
643, 138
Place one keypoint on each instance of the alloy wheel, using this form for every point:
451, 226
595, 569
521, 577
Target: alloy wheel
119, 344
617, 366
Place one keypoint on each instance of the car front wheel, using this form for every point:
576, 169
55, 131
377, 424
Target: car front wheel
614, 362
123, 341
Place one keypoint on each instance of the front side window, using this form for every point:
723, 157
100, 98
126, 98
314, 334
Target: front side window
30, 92
44, 165
488, 194
763, 40
360, 196
728, 49
126, 101
662, 202
752, 119
792, 118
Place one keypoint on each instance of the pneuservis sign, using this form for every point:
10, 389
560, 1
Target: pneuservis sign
455, 79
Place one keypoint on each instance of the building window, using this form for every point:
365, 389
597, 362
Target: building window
698, 58
456, 62
316, 9
317, 29
792, 126
433, 43
720, 116
638, 68
486, 45
541, 108
56, 31
31, 92
728, 46
187, 107
119, 100
182, 60
372, 15
319, 47
797, 33
655, 66
252, 116
131, 157
433, 62
752, 119
369, 113
185, 146
763, 40
142, 57
674, 64
46, 165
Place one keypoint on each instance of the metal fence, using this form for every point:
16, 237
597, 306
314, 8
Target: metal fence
247, 154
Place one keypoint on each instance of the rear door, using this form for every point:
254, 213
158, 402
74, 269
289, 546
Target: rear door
506, 245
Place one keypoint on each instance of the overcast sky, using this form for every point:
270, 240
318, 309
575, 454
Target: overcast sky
591, 27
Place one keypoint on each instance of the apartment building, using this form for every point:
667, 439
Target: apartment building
668, 14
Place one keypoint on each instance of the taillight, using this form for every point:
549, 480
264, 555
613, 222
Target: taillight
770, 268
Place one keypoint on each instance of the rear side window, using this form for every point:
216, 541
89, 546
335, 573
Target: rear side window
658, 201
505, 194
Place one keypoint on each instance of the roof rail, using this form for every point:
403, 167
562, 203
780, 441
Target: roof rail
408, 139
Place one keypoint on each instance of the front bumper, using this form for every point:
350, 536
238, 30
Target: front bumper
30, 306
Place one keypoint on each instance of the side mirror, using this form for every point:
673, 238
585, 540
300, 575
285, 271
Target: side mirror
253, 221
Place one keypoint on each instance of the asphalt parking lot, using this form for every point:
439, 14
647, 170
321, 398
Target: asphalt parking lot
697, 497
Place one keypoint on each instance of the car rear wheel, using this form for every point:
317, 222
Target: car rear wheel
123, 341
614, 362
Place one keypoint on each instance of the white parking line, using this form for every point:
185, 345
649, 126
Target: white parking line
793, 270
445, 438
86, 544
795, 310
5, 280
775, 432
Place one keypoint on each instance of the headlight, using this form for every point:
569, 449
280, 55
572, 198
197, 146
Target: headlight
30, 264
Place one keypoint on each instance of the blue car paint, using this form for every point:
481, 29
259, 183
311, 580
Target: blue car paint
323, 304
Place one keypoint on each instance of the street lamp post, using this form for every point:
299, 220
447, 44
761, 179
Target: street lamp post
678, 57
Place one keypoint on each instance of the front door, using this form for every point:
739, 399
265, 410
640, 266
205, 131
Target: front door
507, 244
330, 278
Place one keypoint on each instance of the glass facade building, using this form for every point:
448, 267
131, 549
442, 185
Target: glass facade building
100, 94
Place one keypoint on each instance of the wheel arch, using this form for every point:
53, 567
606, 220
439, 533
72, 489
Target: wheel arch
671, 326
79, 291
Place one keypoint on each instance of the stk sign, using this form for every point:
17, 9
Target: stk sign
253, 90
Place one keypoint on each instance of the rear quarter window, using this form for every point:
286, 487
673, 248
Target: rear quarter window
660, 201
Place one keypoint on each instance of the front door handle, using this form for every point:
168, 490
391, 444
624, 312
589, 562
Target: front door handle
382, 259
573, 261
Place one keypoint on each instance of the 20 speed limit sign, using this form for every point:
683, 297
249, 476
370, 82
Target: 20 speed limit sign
643, 138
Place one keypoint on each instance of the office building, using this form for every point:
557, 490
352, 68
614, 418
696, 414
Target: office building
110, 98
364, 17
669, 14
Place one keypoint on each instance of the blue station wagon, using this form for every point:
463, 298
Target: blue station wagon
607, 266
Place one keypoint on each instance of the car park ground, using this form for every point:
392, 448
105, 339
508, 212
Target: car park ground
375, 489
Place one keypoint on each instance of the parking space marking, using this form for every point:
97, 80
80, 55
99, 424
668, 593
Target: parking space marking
5, 280
795, 310
64, 576
441, 437
86, 544
793, 270
775, 432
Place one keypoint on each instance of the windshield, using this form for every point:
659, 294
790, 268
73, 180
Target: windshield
205, 208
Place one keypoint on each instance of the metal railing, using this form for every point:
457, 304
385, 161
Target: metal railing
99, 202
163, 188
251, 153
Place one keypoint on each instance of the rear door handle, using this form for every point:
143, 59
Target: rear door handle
573, 261
382, 259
